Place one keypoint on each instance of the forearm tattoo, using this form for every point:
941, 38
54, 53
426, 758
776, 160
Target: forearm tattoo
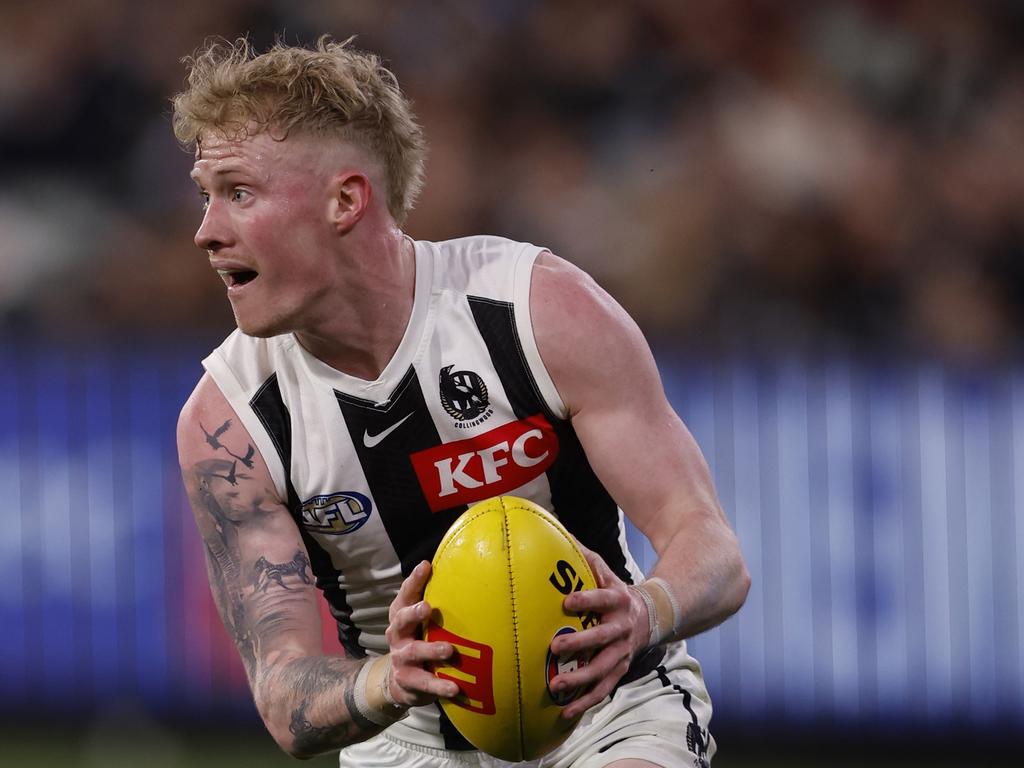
317, 683
223, 565
267, 573
263, 600
214, 488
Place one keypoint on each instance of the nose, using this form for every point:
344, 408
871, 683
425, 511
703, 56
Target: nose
214, 233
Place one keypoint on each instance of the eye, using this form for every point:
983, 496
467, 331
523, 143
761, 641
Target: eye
204, 196
239, 195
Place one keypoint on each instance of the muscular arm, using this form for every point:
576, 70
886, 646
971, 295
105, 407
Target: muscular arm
642, 453
263, 586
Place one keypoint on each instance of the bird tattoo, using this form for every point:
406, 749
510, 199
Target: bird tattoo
247, 459
231, 477
213, 440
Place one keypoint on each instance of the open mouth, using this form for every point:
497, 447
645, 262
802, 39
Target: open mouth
234, 278
243, 277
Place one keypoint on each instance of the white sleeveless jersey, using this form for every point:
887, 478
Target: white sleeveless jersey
376, 471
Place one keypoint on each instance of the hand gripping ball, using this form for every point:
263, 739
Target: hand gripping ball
500, 575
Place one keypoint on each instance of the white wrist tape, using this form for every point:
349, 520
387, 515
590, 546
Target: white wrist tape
363, 707
385, 684
654, 635
677, 611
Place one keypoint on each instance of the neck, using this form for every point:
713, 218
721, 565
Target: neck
360, 330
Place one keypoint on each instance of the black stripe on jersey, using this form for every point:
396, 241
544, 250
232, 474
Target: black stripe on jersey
269, 407
579, 500
414, 530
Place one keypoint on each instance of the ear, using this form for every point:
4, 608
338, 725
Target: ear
350, 199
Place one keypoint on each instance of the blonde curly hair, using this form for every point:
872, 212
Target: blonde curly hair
332, 88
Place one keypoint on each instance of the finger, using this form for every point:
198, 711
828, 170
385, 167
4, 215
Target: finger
587, 552
406, 622
421, 652
594, 684
598, 566
420, 686
410, 672
588, 699
601, 600
612, 661
409, 593
412, 587
602, 573
597, 636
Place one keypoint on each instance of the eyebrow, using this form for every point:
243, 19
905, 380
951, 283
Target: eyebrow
222, 171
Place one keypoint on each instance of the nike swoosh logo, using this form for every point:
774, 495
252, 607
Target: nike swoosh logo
371, 440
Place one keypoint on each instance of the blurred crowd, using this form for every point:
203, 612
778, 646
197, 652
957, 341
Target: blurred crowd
743, 175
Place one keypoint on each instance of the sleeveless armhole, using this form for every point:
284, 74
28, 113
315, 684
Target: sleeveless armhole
524, 325
236, 395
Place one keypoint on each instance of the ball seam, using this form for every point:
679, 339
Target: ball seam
515, 625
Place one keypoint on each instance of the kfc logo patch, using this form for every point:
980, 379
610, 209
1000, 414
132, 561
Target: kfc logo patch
491, 464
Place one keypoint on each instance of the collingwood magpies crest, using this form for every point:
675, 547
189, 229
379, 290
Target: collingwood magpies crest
464, 397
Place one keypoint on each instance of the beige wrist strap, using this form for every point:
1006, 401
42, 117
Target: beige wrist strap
372, 693
385, 684
673, 629
664, 614
653, 638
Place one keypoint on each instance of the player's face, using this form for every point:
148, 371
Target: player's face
265, 228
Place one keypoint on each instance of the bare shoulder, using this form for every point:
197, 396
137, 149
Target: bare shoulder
561, 290
216, 450
207, 403
585, 338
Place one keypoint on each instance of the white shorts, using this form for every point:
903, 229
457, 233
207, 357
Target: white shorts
661, 717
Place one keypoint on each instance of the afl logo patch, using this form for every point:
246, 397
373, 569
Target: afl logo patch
556, 665
464, 396
336, 513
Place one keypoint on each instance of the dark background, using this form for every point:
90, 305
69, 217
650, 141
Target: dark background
814, 210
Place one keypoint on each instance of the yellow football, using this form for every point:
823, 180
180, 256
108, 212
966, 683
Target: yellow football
499, 577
